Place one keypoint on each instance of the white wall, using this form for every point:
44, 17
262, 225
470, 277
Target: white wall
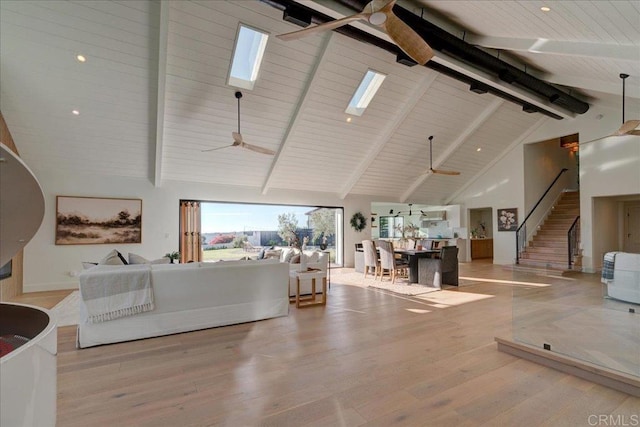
605, 235
47, 266
542, 163
499, 187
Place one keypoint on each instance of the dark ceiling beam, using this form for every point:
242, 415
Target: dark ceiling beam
445, 42
451, 45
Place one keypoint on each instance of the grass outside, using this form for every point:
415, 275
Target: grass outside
228, 254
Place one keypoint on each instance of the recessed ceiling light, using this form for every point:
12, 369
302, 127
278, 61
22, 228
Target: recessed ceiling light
81, 58
348, 119
545, 9
75, 112
478, 149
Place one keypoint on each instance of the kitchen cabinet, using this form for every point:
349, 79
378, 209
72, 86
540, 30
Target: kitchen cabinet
481, 248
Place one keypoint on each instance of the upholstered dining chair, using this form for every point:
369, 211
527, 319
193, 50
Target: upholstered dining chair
438, 271
371, 261
388, 262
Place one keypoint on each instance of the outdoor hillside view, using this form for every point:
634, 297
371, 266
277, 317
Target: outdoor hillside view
240, 230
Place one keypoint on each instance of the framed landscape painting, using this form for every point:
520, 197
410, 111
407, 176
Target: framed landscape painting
93, 220
508, 219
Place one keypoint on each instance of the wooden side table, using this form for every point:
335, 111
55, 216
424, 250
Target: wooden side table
328, 267
310, 300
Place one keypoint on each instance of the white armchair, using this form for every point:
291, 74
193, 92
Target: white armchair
308, 259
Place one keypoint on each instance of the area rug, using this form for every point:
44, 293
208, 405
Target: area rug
66, 311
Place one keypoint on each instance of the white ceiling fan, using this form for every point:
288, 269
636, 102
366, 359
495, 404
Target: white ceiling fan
379, 13
237, 138
628, 127
431, 169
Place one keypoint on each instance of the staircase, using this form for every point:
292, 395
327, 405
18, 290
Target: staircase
548, 249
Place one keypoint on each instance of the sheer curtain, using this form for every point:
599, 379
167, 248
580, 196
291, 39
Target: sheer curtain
190, 231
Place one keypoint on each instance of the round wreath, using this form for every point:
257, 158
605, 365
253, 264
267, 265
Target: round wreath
358, 221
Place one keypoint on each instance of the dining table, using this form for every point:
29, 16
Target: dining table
413, 255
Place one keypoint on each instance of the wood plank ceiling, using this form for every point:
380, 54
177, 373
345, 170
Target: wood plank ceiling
153, 93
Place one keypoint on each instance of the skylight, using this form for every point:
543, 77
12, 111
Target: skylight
247, 56
365, 92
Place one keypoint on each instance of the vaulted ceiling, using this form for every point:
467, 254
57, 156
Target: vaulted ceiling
153, 92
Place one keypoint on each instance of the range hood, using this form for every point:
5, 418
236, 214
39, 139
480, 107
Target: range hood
433, 216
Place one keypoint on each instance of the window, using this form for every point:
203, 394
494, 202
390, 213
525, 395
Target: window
365, 92
247, 57
391, 226
237, 230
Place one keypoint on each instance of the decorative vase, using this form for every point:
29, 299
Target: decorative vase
323, 246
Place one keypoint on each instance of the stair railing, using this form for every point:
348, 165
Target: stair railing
573, 236
521, 232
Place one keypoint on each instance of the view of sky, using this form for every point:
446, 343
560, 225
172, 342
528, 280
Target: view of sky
227, 217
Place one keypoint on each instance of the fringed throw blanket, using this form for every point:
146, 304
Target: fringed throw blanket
608, 265
110, 292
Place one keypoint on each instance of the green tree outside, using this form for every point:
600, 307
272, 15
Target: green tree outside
323, 222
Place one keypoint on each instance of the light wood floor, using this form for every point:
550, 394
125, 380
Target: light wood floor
367, 358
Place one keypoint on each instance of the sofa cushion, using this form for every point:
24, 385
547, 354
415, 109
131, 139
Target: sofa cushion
287, 254
86, 265
137, 259
113, 258
311, 257
272, 253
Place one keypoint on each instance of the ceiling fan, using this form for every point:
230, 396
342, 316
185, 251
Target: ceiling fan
237, 137
410, 212
628, 127
378, 13
431, 169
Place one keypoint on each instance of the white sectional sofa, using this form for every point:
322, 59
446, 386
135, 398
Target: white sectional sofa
625, 283
194, 296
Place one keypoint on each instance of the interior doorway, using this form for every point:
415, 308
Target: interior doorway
631, 232
481, 233
616, 226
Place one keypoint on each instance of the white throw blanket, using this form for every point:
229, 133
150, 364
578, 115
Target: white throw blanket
110, 292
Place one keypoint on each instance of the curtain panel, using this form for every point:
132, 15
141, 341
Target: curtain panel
190, 232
